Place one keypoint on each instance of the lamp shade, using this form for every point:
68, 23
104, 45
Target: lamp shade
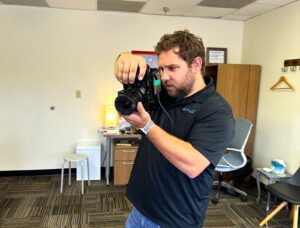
111, 116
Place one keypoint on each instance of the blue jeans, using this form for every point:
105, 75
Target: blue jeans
137, 220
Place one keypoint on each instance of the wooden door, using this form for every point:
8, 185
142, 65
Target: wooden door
232, 84
239, 84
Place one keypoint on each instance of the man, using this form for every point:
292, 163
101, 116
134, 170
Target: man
173, 171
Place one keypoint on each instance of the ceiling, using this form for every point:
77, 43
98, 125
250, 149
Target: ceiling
240, 10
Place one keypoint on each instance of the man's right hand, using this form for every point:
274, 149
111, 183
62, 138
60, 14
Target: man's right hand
126, 66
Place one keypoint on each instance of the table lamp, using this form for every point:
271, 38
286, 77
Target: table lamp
111, 117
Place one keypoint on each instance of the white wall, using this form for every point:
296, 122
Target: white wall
269, 40
47, 54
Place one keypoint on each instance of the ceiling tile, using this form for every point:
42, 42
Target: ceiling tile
223, 9
236, 17
211, 12
25, 2
225, 4
176, 7
144, 1
117, 5
73, 4
256, 9
276, 2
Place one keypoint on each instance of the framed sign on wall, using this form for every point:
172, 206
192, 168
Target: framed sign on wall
216, 55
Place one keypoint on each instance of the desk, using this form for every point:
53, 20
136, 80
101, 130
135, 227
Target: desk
110, 143
271, 178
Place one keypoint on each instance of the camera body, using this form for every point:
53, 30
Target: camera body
144, 91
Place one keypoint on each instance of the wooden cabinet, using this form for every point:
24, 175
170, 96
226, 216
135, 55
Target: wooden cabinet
239, 84
123, 161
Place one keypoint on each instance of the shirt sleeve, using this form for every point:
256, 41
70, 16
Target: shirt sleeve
211, 134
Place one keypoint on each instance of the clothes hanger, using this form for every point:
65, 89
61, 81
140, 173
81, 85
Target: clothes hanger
281, 80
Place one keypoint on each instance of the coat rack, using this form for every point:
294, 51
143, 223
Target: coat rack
282, 80
291, 64
288, 64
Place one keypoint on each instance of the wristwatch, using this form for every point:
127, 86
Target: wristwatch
147, 128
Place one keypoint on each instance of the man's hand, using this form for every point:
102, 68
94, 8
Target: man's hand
140, 118
126, 66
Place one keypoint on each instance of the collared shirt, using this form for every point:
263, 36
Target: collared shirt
156, 187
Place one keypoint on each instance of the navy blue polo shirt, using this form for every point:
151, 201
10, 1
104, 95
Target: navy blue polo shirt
158, 189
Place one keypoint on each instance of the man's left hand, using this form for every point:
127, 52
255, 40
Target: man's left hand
140, 118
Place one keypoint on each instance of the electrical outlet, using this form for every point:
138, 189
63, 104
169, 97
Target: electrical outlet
78, 93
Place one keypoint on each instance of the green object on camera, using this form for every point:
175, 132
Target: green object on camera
157, 82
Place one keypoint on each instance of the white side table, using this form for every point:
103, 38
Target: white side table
271, 178
93, 150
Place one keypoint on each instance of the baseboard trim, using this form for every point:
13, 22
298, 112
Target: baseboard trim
33, 172
38, 172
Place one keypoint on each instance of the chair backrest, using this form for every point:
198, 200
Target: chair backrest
295, 179
242, 129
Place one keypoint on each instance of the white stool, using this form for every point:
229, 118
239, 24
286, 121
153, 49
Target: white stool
74, 158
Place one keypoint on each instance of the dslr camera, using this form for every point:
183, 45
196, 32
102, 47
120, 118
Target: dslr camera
144, 91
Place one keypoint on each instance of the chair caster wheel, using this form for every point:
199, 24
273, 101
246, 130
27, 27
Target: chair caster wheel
215, 201
244, 198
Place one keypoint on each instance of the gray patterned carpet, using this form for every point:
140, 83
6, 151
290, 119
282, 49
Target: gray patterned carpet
35, 201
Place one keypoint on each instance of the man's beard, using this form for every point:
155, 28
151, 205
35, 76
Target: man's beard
180, 92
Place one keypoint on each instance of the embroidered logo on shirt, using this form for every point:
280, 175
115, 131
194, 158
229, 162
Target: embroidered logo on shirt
191, 111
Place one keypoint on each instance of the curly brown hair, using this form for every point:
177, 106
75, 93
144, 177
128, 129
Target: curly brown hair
190, 46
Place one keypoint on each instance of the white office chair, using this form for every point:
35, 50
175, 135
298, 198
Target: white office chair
234, 158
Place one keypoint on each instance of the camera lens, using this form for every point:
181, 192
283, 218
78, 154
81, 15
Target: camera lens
126, 103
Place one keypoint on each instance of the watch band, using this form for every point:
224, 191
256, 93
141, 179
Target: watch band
147, 128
